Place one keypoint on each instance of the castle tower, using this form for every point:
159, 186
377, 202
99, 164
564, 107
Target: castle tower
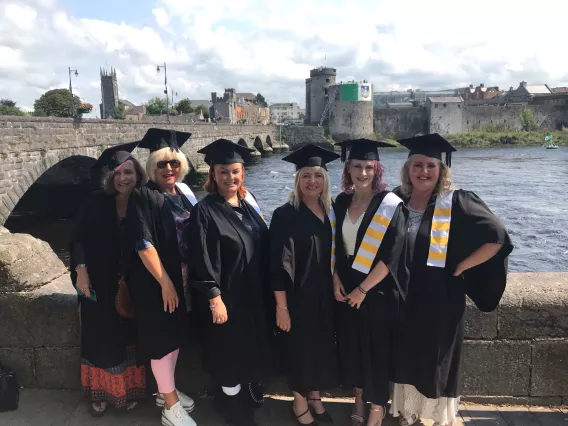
109, 93
318, 86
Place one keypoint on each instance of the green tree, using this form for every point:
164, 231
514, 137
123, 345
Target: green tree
119, 112
57, 103
8, 107
184, 106
156, 106
203, 110
7, 102
528, 121
259, 100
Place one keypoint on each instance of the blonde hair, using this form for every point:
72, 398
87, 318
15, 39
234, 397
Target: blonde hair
444, 179
295, 196
166, 154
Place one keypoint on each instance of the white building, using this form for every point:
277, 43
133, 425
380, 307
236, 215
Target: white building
281, 112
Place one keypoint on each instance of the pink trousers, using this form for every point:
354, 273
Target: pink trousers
164, 370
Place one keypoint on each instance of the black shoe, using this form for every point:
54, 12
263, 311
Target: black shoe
237, 410
324, 417
296, 418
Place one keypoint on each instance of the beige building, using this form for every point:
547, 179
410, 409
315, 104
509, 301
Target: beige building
280, 112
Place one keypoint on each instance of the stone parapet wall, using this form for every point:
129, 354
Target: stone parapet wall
518, 353
297, 136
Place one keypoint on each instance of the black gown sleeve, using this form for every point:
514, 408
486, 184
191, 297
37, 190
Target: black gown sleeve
485, 283
204, 253
80, 236
391, 251
282, 261
139, 219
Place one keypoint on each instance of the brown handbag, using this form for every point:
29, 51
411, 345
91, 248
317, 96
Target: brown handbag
122, 301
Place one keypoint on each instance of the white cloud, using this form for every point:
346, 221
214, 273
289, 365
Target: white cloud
270, 46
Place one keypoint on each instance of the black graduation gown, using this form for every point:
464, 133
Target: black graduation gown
365, 335
430, 337
226, 258
97, 242
300, 259
150, 218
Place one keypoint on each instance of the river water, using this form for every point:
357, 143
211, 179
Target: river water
527, 188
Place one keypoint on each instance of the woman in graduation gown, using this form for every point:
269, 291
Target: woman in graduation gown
456, 246
160, 213
300, 258
227, 240
369, 243
109, 370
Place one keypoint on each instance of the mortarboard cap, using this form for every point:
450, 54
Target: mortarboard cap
432, 145
311, 155
114, 156
362, 149
156, 139
224, 151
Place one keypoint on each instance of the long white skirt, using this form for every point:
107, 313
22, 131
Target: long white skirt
407, 401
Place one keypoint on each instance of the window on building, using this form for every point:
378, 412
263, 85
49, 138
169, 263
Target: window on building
327, 80
444, 105
435, 105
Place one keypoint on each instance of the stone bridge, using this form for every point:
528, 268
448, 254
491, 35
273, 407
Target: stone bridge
29, 146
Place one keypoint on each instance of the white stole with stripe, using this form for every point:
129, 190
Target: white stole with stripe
375, 233
184, 189
440, 231
250, 199
332, 221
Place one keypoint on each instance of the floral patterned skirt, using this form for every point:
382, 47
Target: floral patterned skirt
117, 385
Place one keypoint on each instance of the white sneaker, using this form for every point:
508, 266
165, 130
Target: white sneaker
187, 403
176, 416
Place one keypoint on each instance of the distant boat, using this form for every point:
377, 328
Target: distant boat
550, 144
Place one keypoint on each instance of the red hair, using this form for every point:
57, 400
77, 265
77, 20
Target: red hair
211, 186
377, 184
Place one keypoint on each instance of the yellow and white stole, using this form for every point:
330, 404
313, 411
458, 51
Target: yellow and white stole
250, 199
332, 220
375, 233
440, 231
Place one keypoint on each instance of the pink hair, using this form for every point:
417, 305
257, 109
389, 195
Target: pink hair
377, 183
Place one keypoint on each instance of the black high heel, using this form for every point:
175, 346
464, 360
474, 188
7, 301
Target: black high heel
297, 418
324, 417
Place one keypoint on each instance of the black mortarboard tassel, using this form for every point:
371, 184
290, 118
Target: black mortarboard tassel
362, 149
156, 139
224, 151
432, 145
311, 155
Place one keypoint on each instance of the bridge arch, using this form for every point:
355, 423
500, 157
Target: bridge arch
242, 142
268, 141
258, 144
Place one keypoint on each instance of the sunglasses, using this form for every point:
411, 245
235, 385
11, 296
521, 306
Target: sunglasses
174, 164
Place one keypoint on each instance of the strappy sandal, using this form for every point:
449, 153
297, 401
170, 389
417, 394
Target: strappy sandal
407, 422
297, 418
94, 413
324, 417
356, 419
380, 422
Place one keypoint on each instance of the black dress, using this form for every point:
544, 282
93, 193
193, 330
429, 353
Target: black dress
433, 317
300, 248
227, 249
108, 341
150, 219
366, 335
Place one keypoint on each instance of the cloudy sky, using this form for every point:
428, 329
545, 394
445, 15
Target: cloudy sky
270, 46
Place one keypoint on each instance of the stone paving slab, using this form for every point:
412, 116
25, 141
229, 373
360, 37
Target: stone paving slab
69, 408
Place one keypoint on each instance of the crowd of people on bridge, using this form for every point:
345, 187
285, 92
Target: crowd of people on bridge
366, 291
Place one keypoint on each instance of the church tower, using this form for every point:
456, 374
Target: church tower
109, 93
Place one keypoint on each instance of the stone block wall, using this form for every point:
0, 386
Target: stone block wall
351, 120
296, 136
401, 123
517, 354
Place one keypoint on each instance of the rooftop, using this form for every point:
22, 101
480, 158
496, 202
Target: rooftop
446, 99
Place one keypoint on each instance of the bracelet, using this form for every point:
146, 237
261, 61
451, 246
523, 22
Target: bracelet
361, 290
81, 265
285, 308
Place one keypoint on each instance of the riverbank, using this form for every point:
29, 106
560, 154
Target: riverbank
491, 139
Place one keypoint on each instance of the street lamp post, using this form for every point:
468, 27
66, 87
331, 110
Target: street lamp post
73, 113
165, 88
